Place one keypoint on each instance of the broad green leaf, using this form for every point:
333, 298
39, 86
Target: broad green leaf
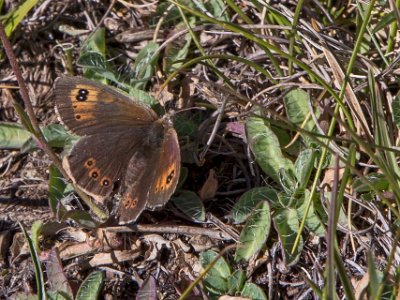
298, 112
236, 282
190, 204
178, 49
93, 58
313, 222
216, 280
96, 43
286, 223
377, 180
144, 66
58, 295
217, 8
96, 67
253, 292
142, 96
83, 218
56, 136
288, 181
286, 140
185, 126
57, 186
255, 233
12, 135
18, 15
249, 200
265, 146
90, 288
304, 166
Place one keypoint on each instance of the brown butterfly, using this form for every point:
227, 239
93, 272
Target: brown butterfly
124, 146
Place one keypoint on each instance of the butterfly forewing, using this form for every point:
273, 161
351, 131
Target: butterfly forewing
86, 107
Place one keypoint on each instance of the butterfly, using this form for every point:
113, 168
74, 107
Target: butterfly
124, 147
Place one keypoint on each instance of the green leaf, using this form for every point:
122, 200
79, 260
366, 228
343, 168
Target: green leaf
58, 295
384, 21
57, 186
253, 292
96, 43
12, 135
93, 59
377, 180
298, 112
178, 49
190, 204
144, 66
218, 9
255, 233
96, 68
185, 126
18, 15
90, 288
83, 218
36, 231
142, 96
313, 222
40, 283
216, 280
287, 224
265, 146
288, 181
55, 134
236, 282
249, 200
304, 166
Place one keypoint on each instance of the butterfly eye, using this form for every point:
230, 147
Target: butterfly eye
82, 95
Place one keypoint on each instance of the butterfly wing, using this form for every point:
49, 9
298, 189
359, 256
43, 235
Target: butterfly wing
156, 178
97, 163
166, 175
87, 107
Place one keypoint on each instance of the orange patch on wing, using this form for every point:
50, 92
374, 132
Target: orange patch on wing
166, 178
84, 116
129, 202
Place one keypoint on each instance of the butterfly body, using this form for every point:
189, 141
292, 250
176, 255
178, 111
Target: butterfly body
124, 146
